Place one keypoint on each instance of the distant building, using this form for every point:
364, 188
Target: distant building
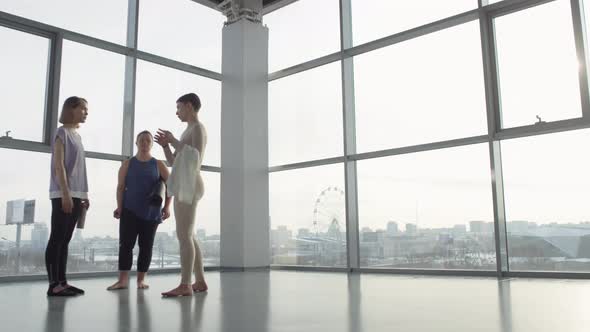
39, 236
459, 229
481, 227
392, 228
411, 229
366, 230
303, 232
518, 226
280, 236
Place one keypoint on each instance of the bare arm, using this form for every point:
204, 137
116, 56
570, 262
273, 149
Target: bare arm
169, 155
121, 187
164, 173
59, 167
198, 139
60, 172
162, 137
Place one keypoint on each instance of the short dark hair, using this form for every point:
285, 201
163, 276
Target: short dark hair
144, 132
191, 98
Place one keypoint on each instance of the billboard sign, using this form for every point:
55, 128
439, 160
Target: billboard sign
20, 212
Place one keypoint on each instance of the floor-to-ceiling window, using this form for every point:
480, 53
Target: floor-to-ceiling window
53, 51
466, 139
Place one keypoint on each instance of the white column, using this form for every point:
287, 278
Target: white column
245, 239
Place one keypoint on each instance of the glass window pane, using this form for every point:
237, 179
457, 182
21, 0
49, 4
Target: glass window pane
157, 90
305, 116
29, 180
374, 19
427, 210
95, 248
181, 30
585, 7
546, 188
290, 29
207, 228
537, 65
105, 19
98, 243
308, 216
102, 84
23, 100
208, 222
424, 90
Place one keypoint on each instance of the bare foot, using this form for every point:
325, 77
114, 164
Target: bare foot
142, 285
200, 286
118, 285
182, 290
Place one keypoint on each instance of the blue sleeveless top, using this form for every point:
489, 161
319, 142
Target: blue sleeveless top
139, 183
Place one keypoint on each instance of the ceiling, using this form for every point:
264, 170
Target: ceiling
268, 5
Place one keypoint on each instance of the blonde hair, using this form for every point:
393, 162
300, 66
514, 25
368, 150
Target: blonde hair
67, 116
145, 132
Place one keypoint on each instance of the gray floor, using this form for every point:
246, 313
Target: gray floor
306, 301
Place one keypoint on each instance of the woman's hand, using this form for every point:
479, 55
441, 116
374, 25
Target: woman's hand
117, 213
165, 213
160, 140
86, 204
164, 137
67, 204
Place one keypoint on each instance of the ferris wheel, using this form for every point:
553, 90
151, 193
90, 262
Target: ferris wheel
329, 213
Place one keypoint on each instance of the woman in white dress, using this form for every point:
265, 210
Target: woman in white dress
187, 187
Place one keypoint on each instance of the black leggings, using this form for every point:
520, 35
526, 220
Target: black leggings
62, 228
130, 229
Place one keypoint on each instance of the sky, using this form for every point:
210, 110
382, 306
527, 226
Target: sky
423, 90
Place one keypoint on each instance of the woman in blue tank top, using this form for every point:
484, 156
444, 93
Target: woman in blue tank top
139, 219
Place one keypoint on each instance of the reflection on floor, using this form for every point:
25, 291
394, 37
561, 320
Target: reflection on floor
285, 301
